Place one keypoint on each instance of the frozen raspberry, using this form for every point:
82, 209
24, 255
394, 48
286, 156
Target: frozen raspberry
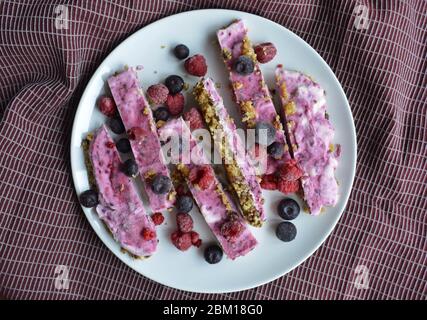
207, 178
158, 218
265, 52
148, 234
157, 94
269, 182
285, 186
107, 106
181, 240
196, 65
231, 230
195, 119
202, 176
175, 103
181, 190
135, 133
109, 144
290, 171
194, 237
193, 176
198, 243
184, 222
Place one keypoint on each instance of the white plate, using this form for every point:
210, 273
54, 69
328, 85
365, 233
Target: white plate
271, 258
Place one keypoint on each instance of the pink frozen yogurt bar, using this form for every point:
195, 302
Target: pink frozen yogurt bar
138, 121
250, 91
119, 206
311, 134
214, 203
240, 172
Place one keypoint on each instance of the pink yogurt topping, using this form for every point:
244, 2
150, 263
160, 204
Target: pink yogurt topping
119, 205
253, 86
137, 116
313, 134
234, 142
209, 200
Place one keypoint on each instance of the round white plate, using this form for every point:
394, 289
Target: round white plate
151, 47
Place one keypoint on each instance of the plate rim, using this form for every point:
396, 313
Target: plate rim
320, 242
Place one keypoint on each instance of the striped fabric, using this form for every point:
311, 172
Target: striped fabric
381, 63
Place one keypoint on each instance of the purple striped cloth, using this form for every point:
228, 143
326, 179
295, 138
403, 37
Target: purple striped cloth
377, 49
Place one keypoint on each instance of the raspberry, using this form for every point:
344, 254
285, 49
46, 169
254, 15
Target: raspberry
207, 178
269, 182
194, 237
265, 52
193, 176
196, 65
148, 234
231, 230
202, 176
194, 117
175, 103
157, 94
135, 133
184, 222
181, 190
109, 144
198, 243
290, 171
181, 240
107, 106
285, 186
158, 218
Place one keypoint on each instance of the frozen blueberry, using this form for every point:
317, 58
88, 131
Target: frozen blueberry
213, 254
184, 204
161, 184
181, 51
244, 65
161, 113
286, 231
116, 125
89, 199
130, 168
288, 209
174, 83
123, 145
264, 133
276, 150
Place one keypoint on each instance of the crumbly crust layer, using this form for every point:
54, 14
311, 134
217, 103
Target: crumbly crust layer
252, 210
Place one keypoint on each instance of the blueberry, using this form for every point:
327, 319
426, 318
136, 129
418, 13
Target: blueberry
286, 231
130, 168
116, 125
264, 131
161, 184
181, 51
184, 204
213, 254
161, 113
123, 145
244, 65
89, 199
288, 209
276, 150
174, 83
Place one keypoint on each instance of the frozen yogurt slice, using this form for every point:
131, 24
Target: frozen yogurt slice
120, 207
240, 172
311, 135
214, 203
138, 121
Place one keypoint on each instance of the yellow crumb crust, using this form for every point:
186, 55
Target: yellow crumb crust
234, 173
